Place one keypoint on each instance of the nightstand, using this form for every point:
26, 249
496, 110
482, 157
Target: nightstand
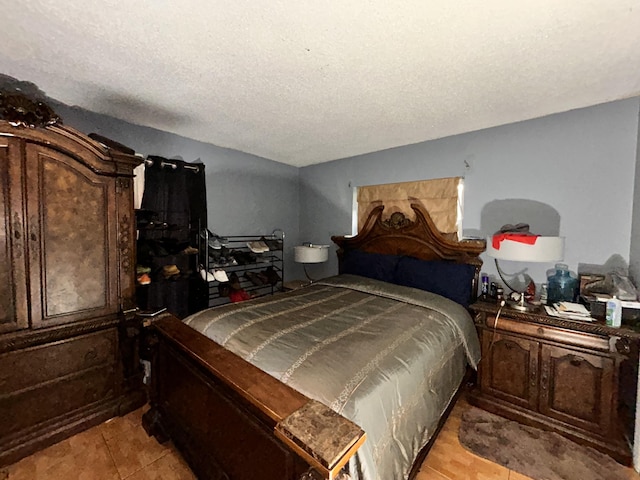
560, 375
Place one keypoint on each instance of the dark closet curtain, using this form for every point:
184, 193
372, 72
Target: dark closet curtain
178, 194
174, 209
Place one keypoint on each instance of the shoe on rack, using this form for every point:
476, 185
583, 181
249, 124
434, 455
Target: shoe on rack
215, 243
224, 241
190, 250
272, 243
220, 275
206, 276
258, 247
211, 239
144, 279
234, 281
253, 278
169, 271
223, 289
242, 258
263, 278
272, 275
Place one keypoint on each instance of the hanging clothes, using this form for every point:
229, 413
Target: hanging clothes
173, 210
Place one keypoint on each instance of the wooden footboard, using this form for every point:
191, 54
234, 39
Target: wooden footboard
231, 420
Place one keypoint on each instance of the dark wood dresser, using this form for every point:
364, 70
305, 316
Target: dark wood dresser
68, 334
561, 375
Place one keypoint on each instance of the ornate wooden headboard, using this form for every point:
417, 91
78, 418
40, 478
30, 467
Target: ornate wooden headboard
420, 239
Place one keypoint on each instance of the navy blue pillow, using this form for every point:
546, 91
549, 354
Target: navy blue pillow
451, 280
371, 265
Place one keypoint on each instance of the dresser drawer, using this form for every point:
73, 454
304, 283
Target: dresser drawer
32, 366
46, 402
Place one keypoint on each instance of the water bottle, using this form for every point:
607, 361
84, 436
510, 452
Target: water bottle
561, 286
614, 312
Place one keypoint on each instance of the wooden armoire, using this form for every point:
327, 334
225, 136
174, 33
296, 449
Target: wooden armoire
68, 334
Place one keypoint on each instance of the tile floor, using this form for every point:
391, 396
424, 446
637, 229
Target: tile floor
120, 449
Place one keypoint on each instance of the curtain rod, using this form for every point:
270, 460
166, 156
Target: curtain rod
173, 166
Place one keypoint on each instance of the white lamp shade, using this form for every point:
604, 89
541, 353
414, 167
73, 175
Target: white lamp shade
545, 249
311, 253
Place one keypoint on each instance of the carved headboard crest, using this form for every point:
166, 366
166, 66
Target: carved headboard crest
397, 221
20, 110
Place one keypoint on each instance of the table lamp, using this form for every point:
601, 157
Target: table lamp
519, 247
310, 253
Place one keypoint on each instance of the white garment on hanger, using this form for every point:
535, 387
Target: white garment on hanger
138, 185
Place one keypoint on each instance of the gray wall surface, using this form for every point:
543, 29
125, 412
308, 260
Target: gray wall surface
634, 255
246, 195
570, 174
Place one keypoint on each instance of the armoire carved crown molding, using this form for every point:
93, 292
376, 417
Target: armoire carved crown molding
20, 110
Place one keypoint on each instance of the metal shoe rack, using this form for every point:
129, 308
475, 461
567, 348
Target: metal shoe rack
235, 256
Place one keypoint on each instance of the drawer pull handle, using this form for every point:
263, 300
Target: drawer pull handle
90, 355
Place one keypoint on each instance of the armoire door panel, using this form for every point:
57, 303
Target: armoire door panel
72, 247
13, 289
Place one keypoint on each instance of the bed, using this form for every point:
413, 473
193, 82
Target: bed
350, 377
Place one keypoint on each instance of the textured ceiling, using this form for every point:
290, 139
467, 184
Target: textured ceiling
303, 82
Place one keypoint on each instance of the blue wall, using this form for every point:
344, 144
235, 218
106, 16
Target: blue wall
578, 166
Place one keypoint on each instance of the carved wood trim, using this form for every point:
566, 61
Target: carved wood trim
397, 221
123, 184
589, 327
31, 338
124, 243
21, 111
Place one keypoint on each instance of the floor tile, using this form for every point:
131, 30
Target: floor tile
84, 456
428, 473
132, 449
120, 426
170, 467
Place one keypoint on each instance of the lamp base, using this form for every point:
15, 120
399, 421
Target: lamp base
311, 280
522, 306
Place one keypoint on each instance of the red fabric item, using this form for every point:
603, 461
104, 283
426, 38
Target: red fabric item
515, 237
238, 295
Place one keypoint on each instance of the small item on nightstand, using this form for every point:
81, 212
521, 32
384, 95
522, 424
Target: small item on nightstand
499, 293
543, 294
561, 285
530, 292
614, 312
485, 285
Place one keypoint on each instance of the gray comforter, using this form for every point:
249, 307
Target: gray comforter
387, 357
